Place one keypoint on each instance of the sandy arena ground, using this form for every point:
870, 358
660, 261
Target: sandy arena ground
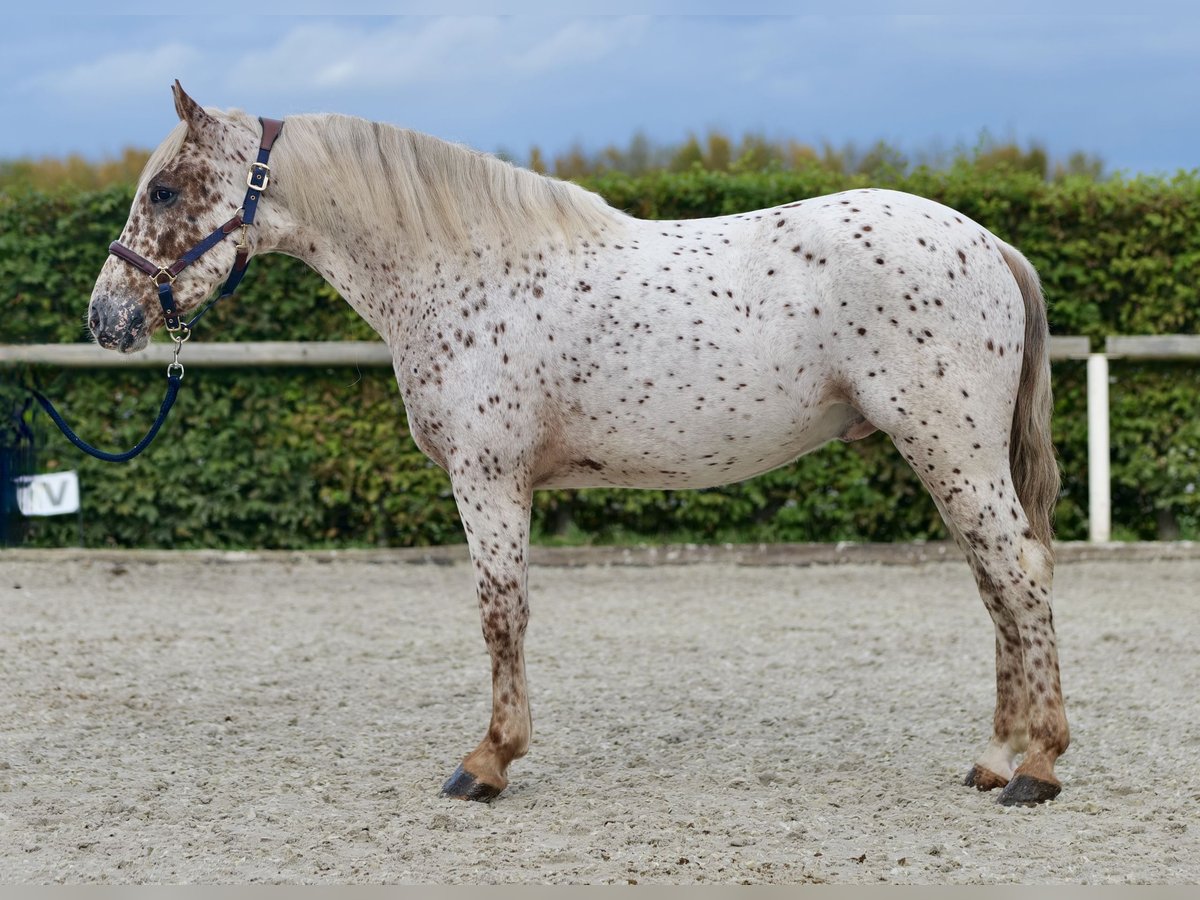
290, 720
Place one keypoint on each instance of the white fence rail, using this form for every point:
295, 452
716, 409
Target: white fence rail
266, 353
1163, 347
285, 353
1153, 347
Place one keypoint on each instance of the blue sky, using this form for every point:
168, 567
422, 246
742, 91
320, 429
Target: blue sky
1124, 87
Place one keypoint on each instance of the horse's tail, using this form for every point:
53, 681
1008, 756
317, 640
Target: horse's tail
1031, 451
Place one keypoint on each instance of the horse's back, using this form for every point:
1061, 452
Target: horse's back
715, 349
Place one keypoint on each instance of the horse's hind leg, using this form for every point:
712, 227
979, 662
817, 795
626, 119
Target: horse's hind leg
962, 456
496, 519
1010, 723
972, 483
1014, 572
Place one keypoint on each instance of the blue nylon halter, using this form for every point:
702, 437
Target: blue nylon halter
164, 276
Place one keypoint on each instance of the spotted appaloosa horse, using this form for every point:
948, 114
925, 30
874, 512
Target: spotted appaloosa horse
543, 339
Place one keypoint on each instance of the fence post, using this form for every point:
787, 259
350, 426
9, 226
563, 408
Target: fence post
1099, 484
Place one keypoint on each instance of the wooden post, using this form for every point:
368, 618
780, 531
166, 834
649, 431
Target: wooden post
1099, 479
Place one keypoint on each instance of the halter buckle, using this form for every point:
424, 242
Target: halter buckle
241, 244
259, 176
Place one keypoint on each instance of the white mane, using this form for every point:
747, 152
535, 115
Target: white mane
427, 188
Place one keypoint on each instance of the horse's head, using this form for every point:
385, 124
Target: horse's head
193, 182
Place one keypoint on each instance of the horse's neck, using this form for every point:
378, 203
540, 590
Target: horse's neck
389, 279
389, 276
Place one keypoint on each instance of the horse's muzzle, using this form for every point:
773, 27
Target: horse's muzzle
118, 324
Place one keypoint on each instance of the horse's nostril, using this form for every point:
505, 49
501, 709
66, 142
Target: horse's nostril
136, 319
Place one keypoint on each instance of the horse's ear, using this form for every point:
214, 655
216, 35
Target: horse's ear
191, 112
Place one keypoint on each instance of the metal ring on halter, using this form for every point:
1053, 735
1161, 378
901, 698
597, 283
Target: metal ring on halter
162, 270
180, 335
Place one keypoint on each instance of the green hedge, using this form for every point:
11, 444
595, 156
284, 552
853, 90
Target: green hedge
300, 458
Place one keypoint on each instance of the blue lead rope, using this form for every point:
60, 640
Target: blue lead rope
168, 401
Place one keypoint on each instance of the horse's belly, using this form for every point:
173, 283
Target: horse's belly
680, 450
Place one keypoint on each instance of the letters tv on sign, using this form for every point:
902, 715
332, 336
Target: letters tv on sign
48, 495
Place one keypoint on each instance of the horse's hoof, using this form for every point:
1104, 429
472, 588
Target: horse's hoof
1025, 790
462, 785
984, 779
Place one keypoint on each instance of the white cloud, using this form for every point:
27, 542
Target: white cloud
347, 56
340, 55
139, 73
579, 42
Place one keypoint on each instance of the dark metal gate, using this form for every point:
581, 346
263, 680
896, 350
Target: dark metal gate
17, 459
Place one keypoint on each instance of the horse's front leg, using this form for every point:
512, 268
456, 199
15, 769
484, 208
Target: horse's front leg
496, 519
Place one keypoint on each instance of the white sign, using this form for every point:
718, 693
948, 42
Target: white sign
48, 495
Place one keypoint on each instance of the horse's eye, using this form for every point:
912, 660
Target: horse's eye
162, 195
